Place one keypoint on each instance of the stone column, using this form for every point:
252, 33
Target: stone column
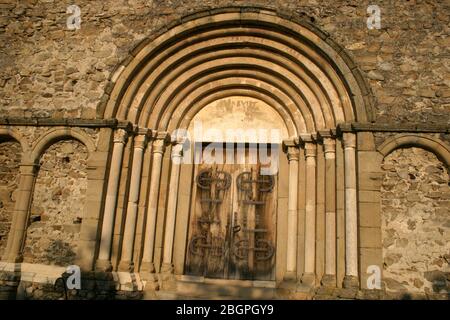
329, 278
159, 146
21, 212
104, 259
167, 266
309, 277
291, 148
126, 263
351, 218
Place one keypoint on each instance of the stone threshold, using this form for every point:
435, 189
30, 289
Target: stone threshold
188, 287
227, 282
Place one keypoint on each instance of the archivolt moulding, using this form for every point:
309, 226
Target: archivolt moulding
257, 50
16, 136
437, 146
58, 134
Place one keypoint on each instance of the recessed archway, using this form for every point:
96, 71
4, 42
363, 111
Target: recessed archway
307, 84
290, 61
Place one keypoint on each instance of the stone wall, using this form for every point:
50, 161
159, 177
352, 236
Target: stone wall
58, 205
47, 70
416, 222
94, 285
10, 154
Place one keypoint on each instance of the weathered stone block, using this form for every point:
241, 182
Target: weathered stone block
370, 214
370, 237
369, 161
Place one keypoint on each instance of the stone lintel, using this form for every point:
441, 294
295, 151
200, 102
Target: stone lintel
162, 135
321, 135
148, 133
53, 122
289, 143
126, 125
392, 127
307, 138
342, 127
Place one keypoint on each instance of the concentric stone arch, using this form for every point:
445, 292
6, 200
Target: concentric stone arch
313, 81
297, 72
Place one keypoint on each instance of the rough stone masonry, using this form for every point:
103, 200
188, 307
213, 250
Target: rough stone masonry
55, 82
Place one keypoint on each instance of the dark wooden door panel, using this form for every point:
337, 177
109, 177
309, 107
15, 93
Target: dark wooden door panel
233, 223
206, 249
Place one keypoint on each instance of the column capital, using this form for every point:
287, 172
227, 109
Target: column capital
140, 141
292, 154
305, 138
160, 140
289, 143
151, 134
125, 125
329, 141
159, 146
290, 147
329, 147
349, 139
324, 134
310, 149
177, 150
161, 135
120, 136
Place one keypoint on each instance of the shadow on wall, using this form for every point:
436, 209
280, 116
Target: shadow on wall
59, 253
10, 157
46, 244
440, 281
57, 205
415, 224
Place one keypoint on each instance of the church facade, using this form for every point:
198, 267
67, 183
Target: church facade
238, 151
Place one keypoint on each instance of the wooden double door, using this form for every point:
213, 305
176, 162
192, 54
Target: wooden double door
233, 222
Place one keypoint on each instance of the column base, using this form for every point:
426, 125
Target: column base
329, 281
147, 267
290, 276
147, 272
289, 281
308, 279
168, 281
288, 285
126, 266
167, 268
103, 265
307, 284
351, 282
151, 281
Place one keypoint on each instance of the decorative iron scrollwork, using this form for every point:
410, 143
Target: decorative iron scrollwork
200, 244
263, 249
245, 181
255, 190
207, 177
246, 236
212, 184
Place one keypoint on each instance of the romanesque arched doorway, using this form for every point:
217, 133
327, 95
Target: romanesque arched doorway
154, 202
